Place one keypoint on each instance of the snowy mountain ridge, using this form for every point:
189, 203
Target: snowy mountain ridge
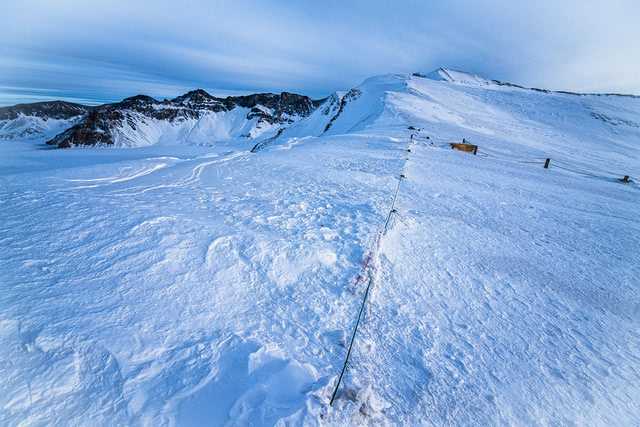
214, 273
470, 79
455, 76
197, 118
30, 121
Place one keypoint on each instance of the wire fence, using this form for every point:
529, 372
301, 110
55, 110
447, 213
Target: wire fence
551, 163
512, 158
502, 153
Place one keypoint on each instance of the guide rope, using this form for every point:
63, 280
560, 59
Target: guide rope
575, 171
513, 155
364, 300
564, 165
346, 362
537, 162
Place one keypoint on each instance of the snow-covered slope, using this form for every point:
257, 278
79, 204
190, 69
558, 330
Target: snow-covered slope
457, 77
208, 285
447, 103
594, 131
195, 118
41, 120
31, 127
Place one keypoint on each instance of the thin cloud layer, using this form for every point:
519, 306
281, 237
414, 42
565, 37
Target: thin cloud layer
103, 51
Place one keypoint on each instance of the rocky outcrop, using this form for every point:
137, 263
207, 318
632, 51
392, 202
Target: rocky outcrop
352, 95
102, 125
39, 120
58, 110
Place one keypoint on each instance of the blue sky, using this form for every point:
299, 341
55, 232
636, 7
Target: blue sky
98, 51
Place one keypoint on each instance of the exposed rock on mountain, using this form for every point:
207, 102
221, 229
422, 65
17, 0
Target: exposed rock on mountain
52, 110
195, 118
258, 120
41, 119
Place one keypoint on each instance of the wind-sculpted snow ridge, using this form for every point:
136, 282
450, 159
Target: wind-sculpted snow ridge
177, 284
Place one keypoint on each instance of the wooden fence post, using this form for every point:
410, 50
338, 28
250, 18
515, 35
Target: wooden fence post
546, 163
475, 150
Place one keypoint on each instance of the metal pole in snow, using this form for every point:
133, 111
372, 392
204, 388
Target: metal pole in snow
546, 163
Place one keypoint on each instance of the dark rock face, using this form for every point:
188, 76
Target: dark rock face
99, 124
352, 95
54, 110
285, 103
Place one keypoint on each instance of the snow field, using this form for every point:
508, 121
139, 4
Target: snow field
178, 284
199, 289
505, 295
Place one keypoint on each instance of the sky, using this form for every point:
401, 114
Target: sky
102, 51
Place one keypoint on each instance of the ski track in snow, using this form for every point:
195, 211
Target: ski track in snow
207, 285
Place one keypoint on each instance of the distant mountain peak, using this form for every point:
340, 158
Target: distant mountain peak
134, 100
48, 109
465, 78
198, 118
197, 96
456, 76
141, 120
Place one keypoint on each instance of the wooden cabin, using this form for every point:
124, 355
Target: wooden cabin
463, 147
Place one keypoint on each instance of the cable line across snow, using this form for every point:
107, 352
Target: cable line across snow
392, 210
